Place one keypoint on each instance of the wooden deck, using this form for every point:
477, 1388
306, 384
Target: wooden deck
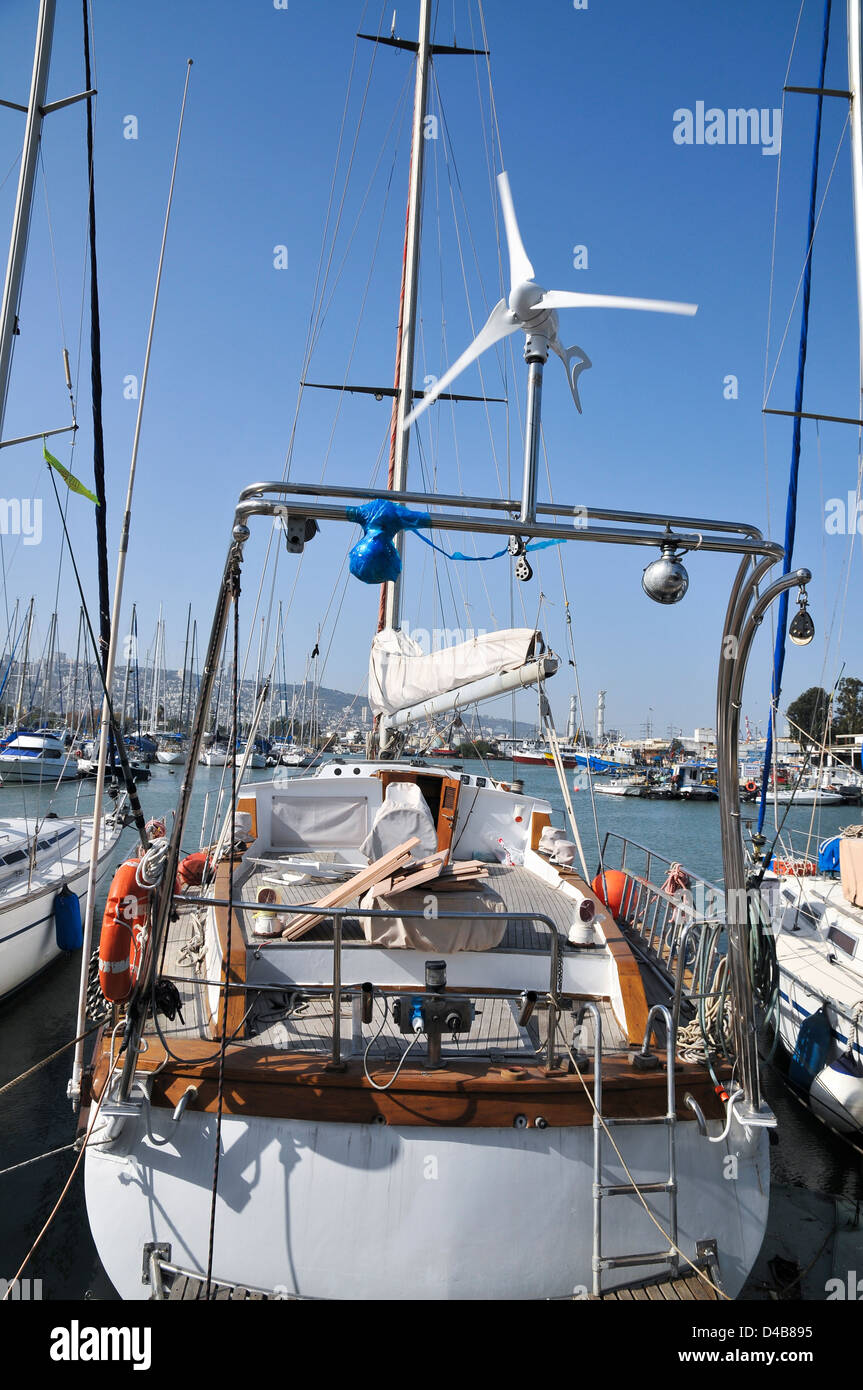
669, 1288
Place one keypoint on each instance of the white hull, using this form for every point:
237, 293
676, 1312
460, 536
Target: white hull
377, 1212
28, 941
805, 796
213, 758
815, 973
257, 760
14, 769
173, 759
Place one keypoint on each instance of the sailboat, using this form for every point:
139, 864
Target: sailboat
811, 923
422, 1059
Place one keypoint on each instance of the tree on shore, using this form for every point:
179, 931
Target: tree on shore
807, 716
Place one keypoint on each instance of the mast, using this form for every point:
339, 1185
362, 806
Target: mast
129, 650
404, 400
22, 670
24, 199
185, 665
855, 86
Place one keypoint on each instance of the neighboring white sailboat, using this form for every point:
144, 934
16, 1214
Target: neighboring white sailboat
812, 892
38, 868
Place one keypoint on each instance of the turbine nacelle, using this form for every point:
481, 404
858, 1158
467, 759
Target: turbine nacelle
524, 298
533, 310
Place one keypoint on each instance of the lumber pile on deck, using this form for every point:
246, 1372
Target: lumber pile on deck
388, 876
352, 888
467, 873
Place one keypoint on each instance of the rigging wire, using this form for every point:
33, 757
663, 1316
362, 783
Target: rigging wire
220, 1096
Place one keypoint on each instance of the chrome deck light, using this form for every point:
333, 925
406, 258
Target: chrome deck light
665, 580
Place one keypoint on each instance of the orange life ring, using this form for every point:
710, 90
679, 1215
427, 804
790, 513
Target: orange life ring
192, 868
798, 868
120, 940
752, 786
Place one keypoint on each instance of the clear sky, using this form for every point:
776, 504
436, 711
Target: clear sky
585, 100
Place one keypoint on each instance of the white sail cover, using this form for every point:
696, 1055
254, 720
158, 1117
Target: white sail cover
400, 674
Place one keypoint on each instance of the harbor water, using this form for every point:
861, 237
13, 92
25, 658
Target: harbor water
36, 1116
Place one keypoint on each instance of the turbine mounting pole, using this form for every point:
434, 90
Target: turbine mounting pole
536, 356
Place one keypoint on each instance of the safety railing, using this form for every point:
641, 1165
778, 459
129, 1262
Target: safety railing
681, 934
337, 917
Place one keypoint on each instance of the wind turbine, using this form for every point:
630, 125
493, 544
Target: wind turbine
533, 310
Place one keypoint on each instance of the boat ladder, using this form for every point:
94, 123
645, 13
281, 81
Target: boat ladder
602, 1124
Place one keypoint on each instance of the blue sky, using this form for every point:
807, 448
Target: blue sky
585, 101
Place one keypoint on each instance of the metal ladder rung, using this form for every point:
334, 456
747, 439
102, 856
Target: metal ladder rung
638, 1120
668, 1186
621, 1189
621, 1261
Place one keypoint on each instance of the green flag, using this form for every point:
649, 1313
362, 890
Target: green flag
72, 483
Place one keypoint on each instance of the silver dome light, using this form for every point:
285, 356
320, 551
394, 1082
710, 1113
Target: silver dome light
665, 580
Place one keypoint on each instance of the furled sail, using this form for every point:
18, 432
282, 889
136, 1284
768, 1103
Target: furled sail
402, 675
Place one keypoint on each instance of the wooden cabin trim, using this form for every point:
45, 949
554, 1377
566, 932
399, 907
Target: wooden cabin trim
250, 804
539, 821
634, 999
234, 970
446, 821
293, 1085
631, 983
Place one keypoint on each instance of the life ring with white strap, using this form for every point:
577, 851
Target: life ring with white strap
123, 924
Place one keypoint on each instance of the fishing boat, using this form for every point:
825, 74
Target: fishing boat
416, 1043
808, 793
538, 755
623, 786
695, 781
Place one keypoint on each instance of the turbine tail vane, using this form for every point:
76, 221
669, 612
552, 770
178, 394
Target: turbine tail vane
576, 361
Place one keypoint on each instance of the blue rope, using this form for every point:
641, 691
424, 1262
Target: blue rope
375, 560
791, 507
457, 554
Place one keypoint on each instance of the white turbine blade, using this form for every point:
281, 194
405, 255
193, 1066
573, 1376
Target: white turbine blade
520, 268
572, 299
499, 325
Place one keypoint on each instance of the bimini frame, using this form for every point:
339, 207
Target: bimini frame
296, 503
